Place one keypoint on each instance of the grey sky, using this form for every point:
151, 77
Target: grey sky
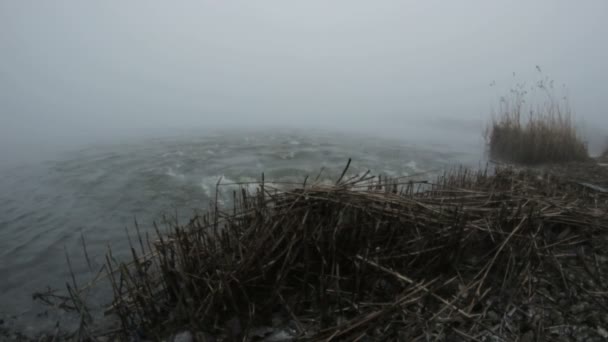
85, 70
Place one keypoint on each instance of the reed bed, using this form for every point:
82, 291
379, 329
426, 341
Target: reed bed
546, 134
491, 255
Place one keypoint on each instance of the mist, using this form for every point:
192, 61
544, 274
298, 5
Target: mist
75, 73
118, 113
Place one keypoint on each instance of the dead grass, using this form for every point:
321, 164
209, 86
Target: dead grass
545, 134
367, 259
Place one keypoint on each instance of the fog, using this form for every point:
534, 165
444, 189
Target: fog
79, 72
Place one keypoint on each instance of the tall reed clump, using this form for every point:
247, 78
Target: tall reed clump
525, 134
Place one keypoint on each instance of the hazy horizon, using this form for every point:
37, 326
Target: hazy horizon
121, 113
74, 73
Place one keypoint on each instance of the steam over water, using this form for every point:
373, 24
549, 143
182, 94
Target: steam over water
97, 192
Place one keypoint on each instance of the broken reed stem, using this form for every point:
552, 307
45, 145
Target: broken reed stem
353, 260
413, 283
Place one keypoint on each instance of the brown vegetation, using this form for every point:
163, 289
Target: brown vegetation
546, 135
473, 255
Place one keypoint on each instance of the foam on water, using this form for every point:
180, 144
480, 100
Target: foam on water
413, 166
210, 183
171, 173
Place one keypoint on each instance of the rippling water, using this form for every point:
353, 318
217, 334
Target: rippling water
45, 208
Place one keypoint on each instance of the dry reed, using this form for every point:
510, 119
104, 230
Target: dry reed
545, 134
473, 255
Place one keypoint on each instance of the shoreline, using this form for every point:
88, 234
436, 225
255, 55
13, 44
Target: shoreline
549, 184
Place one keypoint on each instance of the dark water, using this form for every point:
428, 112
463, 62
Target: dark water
97, 192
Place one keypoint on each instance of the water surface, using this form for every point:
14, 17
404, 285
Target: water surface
97, 192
